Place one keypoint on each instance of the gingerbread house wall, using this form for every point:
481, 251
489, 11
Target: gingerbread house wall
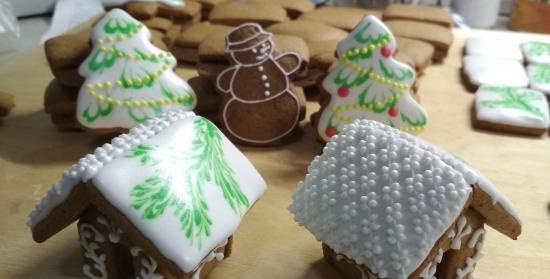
108, 253
453, 257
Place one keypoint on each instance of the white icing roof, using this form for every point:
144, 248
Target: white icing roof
383, 197
116, 174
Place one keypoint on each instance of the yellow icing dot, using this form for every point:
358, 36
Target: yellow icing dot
120, 37
108, 84
127, 103
109, 39
118, 83
118, 103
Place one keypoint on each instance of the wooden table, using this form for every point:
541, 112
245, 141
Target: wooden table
33, 155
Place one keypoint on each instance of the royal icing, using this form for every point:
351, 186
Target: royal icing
484, 70
379, 199
263, 86
462, 229
490, 47
148, 265
383, 197
217, 256
111, 3
177, 179
128, 80
536, 52
512, 106
369, 83
114, 232
539, 77
476, 241
429, 271
90, 238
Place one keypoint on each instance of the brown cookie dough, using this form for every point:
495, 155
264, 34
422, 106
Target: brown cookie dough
310, 31
234, 14
339, 17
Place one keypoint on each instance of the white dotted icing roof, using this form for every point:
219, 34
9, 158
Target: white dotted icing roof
89, 165
382, 197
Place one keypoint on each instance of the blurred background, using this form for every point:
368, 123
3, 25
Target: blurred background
25, 24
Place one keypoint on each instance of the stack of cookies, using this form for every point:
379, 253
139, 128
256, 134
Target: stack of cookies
499, 71
298, 26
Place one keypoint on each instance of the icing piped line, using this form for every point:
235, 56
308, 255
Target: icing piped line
88, 166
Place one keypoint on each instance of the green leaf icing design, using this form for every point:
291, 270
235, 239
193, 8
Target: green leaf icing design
95, 110
204, 163
119, 26
538, 49
541, 73
101, 60
513, 98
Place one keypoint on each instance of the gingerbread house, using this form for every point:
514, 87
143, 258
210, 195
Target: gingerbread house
386, 204
162, 200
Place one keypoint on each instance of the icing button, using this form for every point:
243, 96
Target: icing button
264, 77
261, 68
267, 85
267, 93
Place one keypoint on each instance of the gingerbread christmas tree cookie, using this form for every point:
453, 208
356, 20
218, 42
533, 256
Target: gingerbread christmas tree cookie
511, 109
368, 83
386, 204
166, 197
128, 80
258, 105
536, 52
539, 77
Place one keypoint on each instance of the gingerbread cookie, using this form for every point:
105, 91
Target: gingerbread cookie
421, 53
426, 14
536, 52
440, 37
258, 106
234, 14
310, 31
510, 109
7, 102
483, 70
128, 80
369, 83
208, 5
294, 8
165, 199
323, 55
59, 100
186, 45
67, 51
498, 48
539, 77
386, 204
339, 17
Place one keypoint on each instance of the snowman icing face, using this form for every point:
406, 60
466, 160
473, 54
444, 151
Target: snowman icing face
254, 55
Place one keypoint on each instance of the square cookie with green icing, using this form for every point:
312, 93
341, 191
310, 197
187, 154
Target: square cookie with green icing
509, 109
539, 77
536, 52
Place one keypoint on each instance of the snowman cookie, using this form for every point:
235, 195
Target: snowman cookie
258, 108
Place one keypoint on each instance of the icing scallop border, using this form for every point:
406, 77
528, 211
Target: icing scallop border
90, 164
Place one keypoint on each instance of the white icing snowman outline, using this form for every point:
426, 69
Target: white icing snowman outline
235, 98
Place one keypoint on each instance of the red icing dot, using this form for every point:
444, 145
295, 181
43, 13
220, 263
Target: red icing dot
386, 51
330, 132
343, 91
393, 112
